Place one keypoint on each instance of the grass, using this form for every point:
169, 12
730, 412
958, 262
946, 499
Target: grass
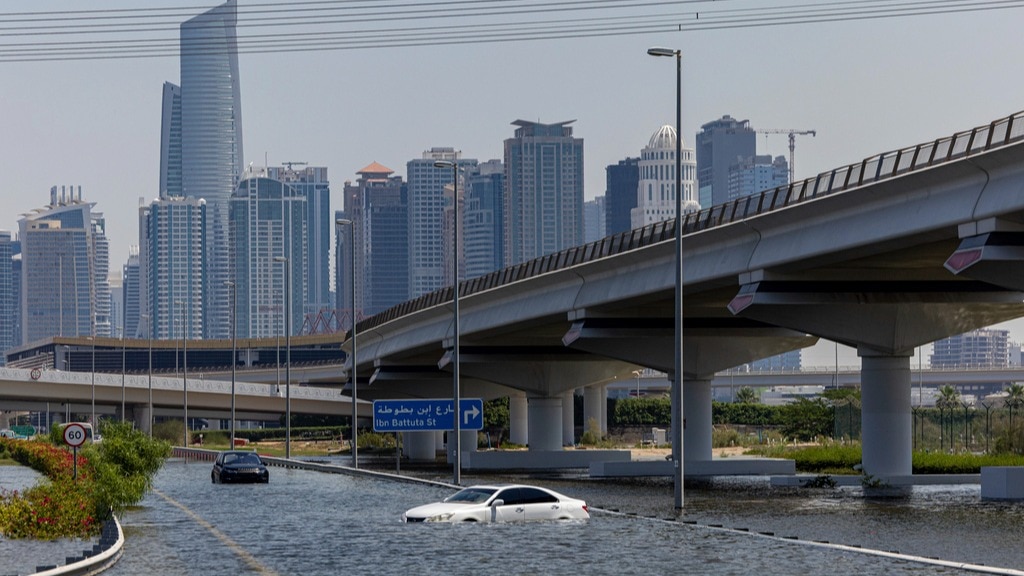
835, 458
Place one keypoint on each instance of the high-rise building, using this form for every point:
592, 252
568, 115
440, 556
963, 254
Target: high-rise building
268, 221
543, 190
791, 360
378, 205
482, 220
211, 145
426, 184
620, 193
16, 275
753, 174
594, 219
132, 327
720, 143
656, 191
171, 274
64, 274
170, 142
311, 183
986, 347
6, 294
117, 307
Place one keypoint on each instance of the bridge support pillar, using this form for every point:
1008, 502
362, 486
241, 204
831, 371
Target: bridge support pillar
438, 441
545, 421
568, 419
595, 408
142, 418
518, 422
885, 419
467, 443
697, 418
419, 446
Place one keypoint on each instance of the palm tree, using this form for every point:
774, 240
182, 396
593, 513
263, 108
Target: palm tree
949, 399
1014, 399
746, 395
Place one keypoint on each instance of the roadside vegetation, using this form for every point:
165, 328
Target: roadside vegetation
112, 475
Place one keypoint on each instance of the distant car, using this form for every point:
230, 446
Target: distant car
505, 503
239, 466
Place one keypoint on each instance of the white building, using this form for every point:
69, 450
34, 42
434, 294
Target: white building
656, 193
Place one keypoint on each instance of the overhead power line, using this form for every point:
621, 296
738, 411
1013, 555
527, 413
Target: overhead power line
373, 24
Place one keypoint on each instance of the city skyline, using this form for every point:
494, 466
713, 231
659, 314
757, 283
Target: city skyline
866, 86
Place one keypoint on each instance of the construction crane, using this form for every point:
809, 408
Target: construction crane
792, 143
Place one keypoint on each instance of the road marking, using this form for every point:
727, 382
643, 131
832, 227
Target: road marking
247, 558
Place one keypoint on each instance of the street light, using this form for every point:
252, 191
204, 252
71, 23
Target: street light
149, 328
677, 387
123, 354
287, 356
234, 352
637, 374
354, 372
92, 419
184, 366
456, 400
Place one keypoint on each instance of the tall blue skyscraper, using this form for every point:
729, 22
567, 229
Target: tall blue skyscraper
211, 144
311, 183
171, 274
133, 328
170, 142
719, 143
543, 190
268, 221
6, 294
483, 221
620, 192
64, 259
426, 218
594, 219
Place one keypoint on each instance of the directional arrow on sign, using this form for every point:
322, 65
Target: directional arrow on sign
473, 412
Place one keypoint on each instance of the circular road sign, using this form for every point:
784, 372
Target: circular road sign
74, 434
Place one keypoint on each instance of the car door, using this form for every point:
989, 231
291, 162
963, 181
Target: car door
512, 508
539, 505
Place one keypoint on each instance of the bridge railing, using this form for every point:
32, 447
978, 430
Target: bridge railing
882, 166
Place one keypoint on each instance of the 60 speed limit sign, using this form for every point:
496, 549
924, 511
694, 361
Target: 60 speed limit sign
74, 434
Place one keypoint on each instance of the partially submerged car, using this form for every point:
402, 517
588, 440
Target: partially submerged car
500, 503
239, 466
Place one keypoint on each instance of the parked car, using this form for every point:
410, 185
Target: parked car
239, 466
505, 503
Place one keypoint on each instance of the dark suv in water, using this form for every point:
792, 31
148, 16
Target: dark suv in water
239, 466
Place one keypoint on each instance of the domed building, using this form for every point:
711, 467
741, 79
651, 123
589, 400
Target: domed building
655, 195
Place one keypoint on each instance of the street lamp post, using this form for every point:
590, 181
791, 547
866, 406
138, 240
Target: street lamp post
287, 355
123, 369
184, 367
234, 352
637, 374
149, 328
677, 385
353, 374
456, 400
92, 418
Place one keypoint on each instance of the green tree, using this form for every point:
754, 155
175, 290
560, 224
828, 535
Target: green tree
746, 395
948, 398
806, 419
125, 463
1014, 399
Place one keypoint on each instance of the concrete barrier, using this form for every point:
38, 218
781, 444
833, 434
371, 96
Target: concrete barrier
1002, 482
101, 557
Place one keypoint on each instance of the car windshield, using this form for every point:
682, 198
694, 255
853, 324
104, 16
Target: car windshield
471, 495
242, 458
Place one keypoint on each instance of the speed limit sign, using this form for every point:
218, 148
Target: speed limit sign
74, 434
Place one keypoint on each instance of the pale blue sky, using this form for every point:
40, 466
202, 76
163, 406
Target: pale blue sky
865, 86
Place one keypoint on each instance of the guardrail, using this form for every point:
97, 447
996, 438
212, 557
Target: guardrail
998, 133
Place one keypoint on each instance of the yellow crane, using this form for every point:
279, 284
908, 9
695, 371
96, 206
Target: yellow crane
793, 133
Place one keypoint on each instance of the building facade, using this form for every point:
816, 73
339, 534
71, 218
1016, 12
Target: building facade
985, 347
622, 180
268, 222
6, 294
427, 202
656, 190
171, 267
211, 144
131, 297
543, 190
594, 219
483, 219
753, 174
719, 144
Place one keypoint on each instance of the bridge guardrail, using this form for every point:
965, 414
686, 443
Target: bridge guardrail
1001, 132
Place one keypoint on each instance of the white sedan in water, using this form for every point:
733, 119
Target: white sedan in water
505, 503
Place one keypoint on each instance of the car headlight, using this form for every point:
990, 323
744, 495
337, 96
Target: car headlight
443, 517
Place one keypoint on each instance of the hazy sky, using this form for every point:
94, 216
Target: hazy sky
866, 86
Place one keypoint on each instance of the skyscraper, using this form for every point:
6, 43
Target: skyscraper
984, 347
268, 221
64, 274
6, 294
378, 204
594, 219
133, 328
483, 219
720, 143
171, 274
211, 145
543, 190
426, 217
312, 183
753, 174
656, 191
170, 142
620, 192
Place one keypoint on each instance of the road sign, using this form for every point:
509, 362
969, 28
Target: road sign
426, 415
74, 434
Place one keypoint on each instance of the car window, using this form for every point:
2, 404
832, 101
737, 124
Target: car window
535, 496
250, 459
471, 495
229, 458
511, 496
